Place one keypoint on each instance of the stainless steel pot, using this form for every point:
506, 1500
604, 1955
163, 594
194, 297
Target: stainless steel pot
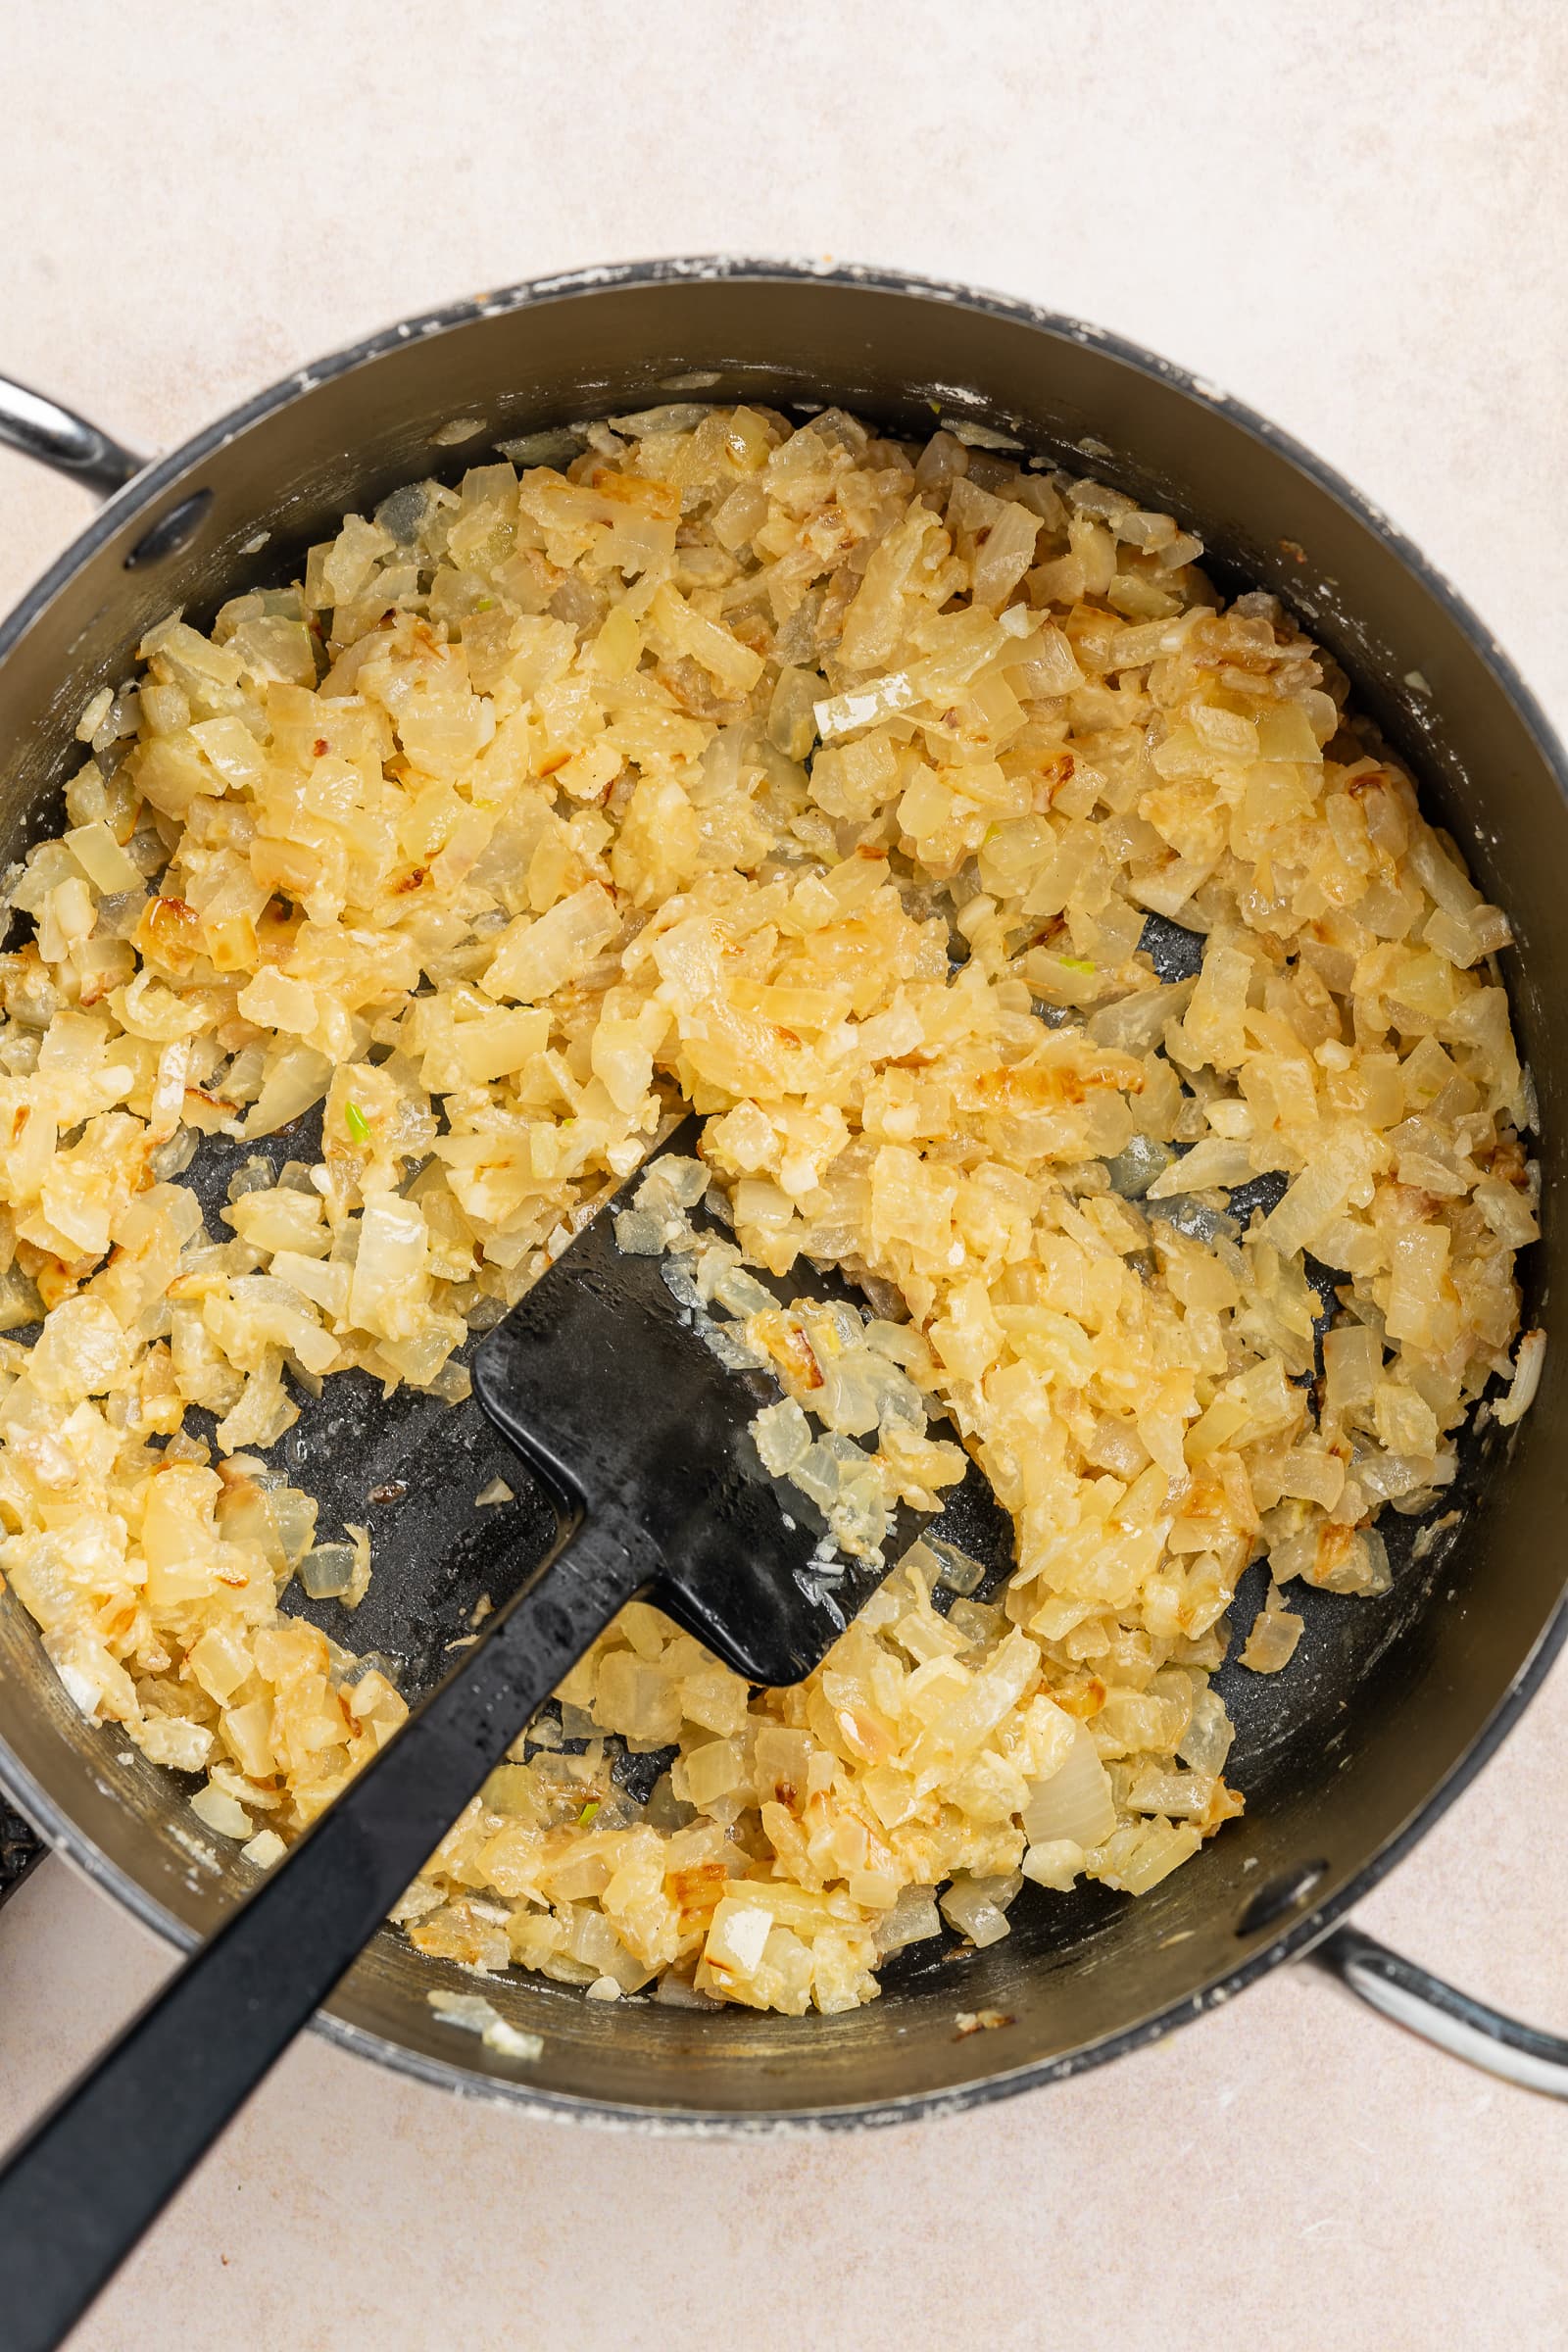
1390, 1706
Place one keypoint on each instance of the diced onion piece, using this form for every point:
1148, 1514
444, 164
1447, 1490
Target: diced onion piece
1054, 1862
538, 954
327, 1571
1526, 1380
1075, 1802
473, 2014
220, 1812
977, 1906
1276, 1630
913, 1918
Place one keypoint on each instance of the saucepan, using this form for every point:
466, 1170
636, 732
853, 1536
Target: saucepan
1390, 1707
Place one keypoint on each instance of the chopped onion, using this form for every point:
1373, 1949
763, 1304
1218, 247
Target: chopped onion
1271, 1643
976, 1908
1054, 1862
1526, 1380
502, 836
327, 1570
473, 2014
1075, 1803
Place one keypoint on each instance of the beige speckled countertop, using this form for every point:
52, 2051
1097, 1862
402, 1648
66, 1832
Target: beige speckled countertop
1355, 218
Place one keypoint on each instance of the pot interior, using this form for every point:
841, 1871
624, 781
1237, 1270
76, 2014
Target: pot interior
1385, 1700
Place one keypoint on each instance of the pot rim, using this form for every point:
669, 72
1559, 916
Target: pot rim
1296, 1939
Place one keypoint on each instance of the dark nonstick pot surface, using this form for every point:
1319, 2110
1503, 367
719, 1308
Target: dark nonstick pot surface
1389, 1706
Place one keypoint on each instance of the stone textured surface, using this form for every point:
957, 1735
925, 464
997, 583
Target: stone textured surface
1353, 216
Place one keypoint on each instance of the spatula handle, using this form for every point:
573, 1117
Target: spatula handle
81, 2190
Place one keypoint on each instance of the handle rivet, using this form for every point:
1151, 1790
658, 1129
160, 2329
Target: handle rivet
1279, 1896
172, 531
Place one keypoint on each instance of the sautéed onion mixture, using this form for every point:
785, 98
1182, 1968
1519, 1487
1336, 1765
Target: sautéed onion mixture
824, 783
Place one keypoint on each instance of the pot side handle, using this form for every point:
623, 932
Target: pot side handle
58, 437
1441, 2014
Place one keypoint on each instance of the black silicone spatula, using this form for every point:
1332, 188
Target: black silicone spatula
619, 1406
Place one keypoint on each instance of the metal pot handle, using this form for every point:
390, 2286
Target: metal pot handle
41, 429
1443, 2015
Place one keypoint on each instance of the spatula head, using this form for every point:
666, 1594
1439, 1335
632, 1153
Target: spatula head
621, 1406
